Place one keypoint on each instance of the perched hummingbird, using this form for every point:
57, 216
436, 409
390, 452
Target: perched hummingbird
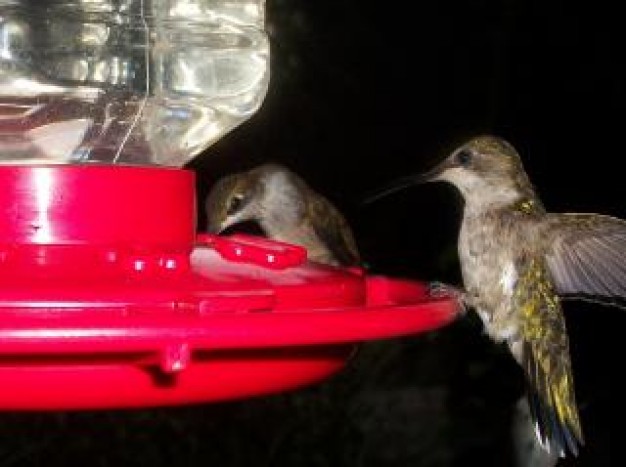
517, 260
287, 209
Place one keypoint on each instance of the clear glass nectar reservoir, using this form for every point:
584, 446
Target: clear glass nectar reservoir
149, 82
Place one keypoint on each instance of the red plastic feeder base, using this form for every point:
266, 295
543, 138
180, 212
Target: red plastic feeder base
107, 300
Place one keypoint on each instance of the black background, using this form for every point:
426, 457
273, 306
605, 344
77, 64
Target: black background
362, 92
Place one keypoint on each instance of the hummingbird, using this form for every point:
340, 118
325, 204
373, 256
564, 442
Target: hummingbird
518, 262
287, 209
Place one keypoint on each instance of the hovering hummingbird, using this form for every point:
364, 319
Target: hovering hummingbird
287, 209
517, 261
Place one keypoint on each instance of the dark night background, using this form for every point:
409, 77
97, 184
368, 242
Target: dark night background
362, 92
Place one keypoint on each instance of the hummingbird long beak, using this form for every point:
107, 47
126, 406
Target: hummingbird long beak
408, 181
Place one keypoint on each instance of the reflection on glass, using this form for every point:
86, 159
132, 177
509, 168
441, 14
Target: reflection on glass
127, 81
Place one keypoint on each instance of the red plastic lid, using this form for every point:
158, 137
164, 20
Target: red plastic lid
100, 315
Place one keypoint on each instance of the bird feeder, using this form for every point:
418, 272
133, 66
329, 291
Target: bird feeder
108, 297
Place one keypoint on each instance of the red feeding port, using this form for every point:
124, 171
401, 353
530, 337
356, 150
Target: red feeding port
108, 299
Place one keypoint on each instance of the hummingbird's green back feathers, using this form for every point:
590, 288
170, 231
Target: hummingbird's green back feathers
333, 230
544, 355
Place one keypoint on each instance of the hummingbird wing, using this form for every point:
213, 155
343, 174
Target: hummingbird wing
542, 349
333, 230
587, 254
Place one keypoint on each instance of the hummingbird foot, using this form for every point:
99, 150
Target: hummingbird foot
438, 289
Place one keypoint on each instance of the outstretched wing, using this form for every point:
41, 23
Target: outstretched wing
333, 229
587, 254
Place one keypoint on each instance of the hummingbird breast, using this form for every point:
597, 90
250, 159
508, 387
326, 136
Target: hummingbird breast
489, 265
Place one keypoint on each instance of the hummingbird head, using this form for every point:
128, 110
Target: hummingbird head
486, 169
268, 194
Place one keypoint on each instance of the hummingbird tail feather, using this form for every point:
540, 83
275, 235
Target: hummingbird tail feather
527, 449
553, 407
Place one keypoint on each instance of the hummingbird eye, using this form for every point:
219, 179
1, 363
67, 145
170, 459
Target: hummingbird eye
464, 158
235, 204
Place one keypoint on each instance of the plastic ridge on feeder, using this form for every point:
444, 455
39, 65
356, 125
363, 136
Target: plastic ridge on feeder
209, 312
